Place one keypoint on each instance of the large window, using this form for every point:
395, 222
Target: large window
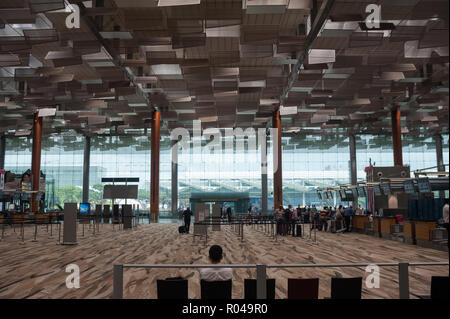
62, 163
309, 162
232, 169
375, 150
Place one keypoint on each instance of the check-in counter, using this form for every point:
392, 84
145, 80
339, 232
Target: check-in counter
423, 233
385, 227
409, 231
19, 218
41, 218
377, 226
358, 222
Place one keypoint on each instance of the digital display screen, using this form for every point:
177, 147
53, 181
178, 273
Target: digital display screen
361, 192
377, 190
424, 185
349, 196
84, 208
386, 188
355, 192
408, 186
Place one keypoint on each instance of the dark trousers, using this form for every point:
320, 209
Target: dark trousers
323, 225
338, 224
347, 223
187, 223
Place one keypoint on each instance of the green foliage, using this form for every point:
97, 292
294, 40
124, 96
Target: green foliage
68, 194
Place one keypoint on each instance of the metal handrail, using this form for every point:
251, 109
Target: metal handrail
261, 272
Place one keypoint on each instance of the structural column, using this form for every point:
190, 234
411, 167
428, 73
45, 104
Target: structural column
36, 160
397, 137
277, 169
263, 148
440, 159
86, 164
353, 171
2, 150
174, 176
154, 182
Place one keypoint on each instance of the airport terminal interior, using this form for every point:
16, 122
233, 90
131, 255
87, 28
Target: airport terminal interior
309, 139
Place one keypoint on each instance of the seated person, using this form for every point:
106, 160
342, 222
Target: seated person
216, 274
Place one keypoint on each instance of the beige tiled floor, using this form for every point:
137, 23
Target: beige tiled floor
37, 269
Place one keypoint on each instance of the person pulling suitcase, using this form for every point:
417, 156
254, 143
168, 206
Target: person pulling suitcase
187, 219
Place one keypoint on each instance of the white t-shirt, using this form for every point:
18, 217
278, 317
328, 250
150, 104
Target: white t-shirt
445, 213
216, 274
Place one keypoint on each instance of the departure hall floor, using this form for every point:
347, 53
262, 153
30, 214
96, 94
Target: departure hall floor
37, 269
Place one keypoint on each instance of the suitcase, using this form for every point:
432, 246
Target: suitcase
299, 230
182, 229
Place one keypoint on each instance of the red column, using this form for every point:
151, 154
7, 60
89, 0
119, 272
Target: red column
36, 159
397, 137
277, 170
154, 182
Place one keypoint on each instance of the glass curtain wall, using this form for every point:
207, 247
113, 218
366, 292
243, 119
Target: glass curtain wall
309, 162
227, 168
312, 161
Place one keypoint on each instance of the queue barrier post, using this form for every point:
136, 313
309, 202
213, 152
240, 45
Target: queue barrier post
261, 287
118, 282
403, 280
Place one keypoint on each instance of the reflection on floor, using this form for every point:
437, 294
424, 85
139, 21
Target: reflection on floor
37, 269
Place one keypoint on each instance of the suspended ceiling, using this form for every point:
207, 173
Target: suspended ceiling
226, 63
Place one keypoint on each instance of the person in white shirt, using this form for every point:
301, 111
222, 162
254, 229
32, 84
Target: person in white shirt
446, 224
216, 274
445, 212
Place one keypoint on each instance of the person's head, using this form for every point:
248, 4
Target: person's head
187, 208
281, 207
26, 178
289, 206
215, 254
351, 206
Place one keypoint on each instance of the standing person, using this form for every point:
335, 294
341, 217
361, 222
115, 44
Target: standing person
249, 216
187, 213
323, 225
348, 213
229, 213
286, 220
278, 214
445, 218
307, 215
299, 213
294, 219
223, 212
339, 217
260, 217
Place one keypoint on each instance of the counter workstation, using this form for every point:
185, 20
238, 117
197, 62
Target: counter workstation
414, 232
419, 232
